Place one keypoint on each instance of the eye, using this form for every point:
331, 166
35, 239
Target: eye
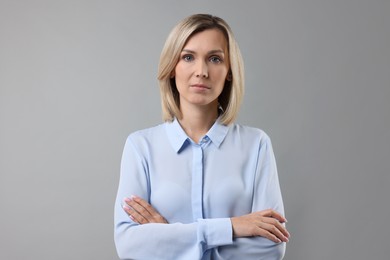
215, 59
188, 57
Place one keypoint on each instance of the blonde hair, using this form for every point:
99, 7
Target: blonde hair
233, 91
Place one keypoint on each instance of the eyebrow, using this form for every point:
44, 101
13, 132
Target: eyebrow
210, 52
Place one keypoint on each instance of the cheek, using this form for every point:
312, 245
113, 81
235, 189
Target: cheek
175, 72
181, 71
180, 77
221, 75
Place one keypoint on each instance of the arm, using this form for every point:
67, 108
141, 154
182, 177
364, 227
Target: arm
267, 195
265, 223
257, 235
158, 240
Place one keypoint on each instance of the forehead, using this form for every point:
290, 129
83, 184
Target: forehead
207, 39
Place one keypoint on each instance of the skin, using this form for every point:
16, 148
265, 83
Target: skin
200, 75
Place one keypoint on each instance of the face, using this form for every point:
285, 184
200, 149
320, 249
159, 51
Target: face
202, 69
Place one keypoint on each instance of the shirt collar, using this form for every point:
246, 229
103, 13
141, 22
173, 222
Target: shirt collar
176, 135
217, 133
178, 138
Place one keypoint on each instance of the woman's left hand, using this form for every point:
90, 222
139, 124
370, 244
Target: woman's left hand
142, 212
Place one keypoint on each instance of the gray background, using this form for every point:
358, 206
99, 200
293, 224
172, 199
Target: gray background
76, 77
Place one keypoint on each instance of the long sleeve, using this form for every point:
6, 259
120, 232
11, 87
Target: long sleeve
197, 187
266, 194
159, 241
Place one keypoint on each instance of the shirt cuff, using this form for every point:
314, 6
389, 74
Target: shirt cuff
216, 232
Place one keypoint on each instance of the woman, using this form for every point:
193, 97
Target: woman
199, 186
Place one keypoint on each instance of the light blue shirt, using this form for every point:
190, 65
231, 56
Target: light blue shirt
197, 188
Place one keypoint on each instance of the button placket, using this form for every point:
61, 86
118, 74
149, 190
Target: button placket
197, 182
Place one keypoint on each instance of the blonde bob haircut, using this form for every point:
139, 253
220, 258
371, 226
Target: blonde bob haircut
233, 91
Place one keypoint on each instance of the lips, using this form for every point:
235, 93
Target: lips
200, 86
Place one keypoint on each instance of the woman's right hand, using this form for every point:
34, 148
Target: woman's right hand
266, 223
141, 211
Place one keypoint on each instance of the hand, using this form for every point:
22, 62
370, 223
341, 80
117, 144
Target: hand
142, 212
266, 223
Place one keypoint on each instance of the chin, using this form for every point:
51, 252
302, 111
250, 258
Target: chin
202, 102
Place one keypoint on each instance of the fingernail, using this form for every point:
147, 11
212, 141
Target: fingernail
133, 197
278, 241
126, 207
127, 199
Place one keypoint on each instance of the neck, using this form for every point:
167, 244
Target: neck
197, 121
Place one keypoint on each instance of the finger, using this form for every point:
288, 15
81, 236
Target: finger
145, 210
265, 233
138, 208
145, 205
134, 215
154, 214
273, 230
273, 214
278, 225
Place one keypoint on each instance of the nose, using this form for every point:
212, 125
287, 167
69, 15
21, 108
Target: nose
202, 70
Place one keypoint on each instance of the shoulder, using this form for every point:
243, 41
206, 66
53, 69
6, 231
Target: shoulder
146, 135
249, 133
255, 140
